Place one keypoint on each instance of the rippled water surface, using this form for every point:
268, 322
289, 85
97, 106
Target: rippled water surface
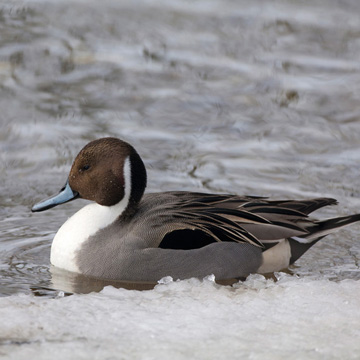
258, 98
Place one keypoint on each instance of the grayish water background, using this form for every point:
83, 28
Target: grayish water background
257, 98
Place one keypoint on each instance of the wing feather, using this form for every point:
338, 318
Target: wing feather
253, 220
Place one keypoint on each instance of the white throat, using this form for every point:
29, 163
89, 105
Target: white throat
85, 223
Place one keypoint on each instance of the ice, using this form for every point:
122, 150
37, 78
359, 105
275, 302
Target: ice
259, 318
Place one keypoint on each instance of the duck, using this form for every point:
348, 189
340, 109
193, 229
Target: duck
125, 234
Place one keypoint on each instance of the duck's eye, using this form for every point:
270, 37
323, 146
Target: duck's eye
85, 167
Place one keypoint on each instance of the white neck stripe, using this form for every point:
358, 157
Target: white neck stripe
127, 183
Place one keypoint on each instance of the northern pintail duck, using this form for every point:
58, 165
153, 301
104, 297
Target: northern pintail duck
125, 235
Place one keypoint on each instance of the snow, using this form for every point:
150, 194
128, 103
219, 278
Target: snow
259, 318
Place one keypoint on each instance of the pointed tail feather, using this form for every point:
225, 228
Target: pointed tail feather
324, 227
319, 230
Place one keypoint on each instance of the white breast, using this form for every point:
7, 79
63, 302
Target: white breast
83, 224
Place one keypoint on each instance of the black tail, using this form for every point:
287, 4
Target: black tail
322, 228
317, 231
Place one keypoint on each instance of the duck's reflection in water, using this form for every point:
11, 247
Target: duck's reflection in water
67, 283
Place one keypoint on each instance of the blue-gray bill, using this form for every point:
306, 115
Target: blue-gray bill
65, 195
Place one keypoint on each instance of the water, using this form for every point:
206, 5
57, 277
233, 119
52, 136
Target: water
216, 96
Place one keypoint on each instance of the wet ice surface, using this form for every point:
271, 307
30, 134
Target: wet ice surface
252, 98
